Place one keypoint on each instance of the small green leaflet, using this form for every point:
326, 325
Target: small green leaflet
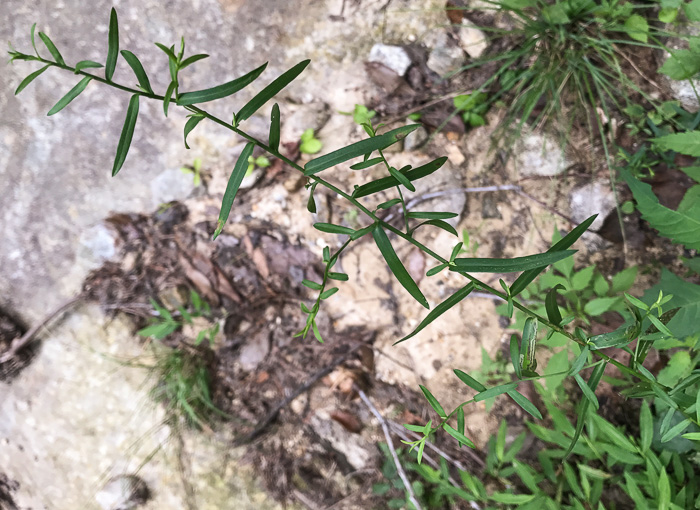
389, 182
168, 51
440, 309
358, 149
72, 94
274, 141
234, 182
528, 276
168, 97
29, 79
495, 391
333, 229
52, 48
328, 293
479, 265
637, 28
140, 73
113, 45
191, 60
459, 436
433, 402
220, 91
469, 380
311, 285
397, 267
132, 112
523, 402
435, 270
587, 392
191, 124
366, 164
341, 277
271, 90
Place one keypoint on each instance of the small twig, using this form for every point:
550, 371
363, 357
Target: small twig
270, 417
19, 343
390, 444
305, 500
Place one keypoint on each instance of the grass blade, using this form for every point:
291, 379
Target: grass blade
389, 182
523, 402
132, 113
274, 141
439, 310
52, 48
469, 380
528, 276
234, 182
140, 73
72, 94
358, 149
478, 265
397, 267
190, 125
220, 91
271, 90
30, 79
113, 45
87, 64
433, 402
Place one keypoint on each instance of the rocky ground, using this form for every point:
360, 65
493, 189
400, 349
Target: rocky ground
78, 426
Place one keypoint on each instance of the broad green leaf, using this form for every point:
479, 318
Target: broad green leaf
234, 182
550, 302
140, 73
587, 392
358, 149
72, 94
668, 14
333, 229
274, 140
581, 279
686, 143
682, 226
220, 91
366, 164
459, 436
637, 28
528, 276
132, 113
623, 280
190, 125
113, 45
686, 296
389, 182
523, 402
440, 309
433, 401
30, 79
484, 265
394, 263
423, 215
681, 65
598, 306
692, 10
495, 391
693, 172
401, 178
469, 380
191, 60
271, 90
439, 224
52, 48
515, 355
87, 64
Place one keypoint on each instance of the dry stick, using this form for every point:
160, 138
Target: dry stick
390, 444
19, 343
270, 417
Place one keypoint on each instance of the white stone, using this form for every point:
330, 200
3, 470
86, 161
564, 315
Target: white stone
539, 155
592, 198
393, 57
472, 40
445, 57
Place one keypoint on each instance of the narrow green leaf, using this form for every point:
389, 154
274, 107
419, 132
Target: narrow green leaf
311, 203
455, 251
329, 228
328, 293
341, 277
363, 231
29, 79
271, 90
172, 66
469, 380
435, 270
168, 51
550, 301
582, 409
664, 499
394, 263
52, 48
358, 149
140, 73
461, 423
432, 215
439, 224
483, 265
587, 392
190, 125
459, 436
191, 60
389, 182
674, 431
646, 426
234, 182
72, 94
523, 402
132, 113
317, 333
389, 203
168, 97
433, 401
31, 33
693, 436
528, 347
274, 140
495, 391
528, 276
311, 285
87, 64
515, 355
610, 431
401, 178
113, 45
366, 164
220, 91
